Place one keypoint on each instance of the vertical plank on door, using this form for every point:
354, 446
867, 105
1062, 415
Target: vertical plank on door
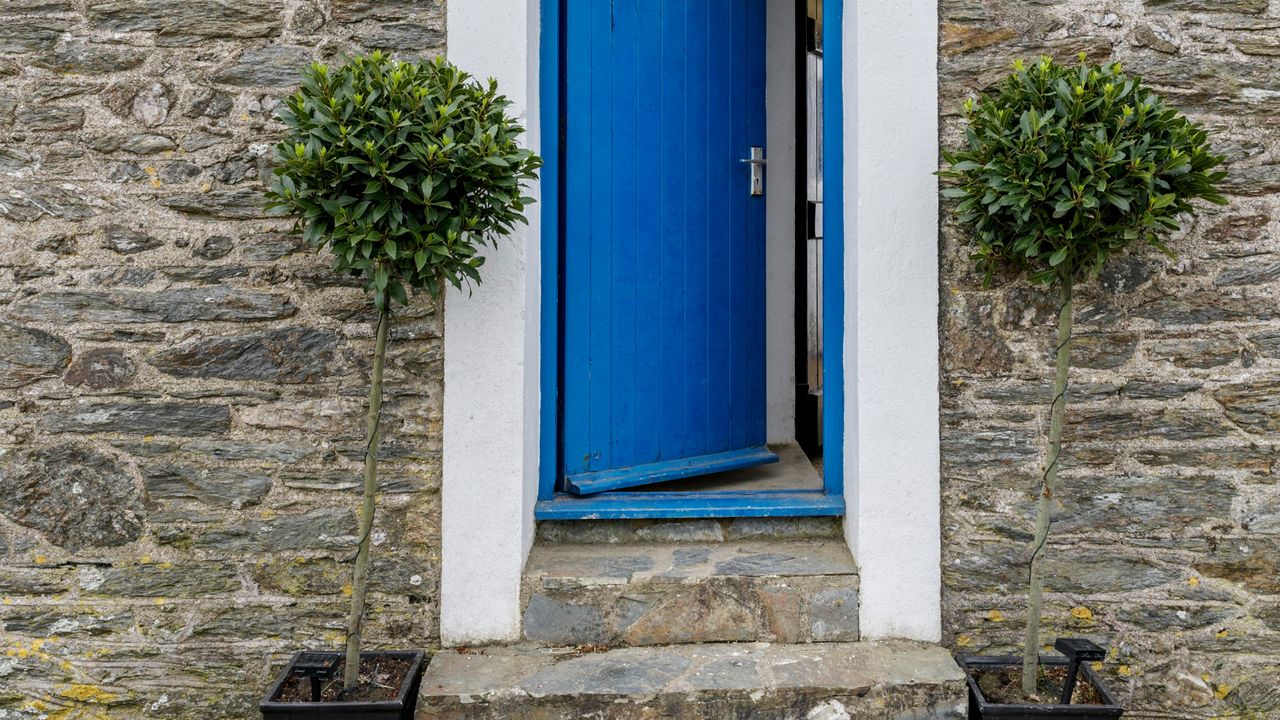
626, 90
651, 75
578, 214
673, 232
696, 360
599, 239
719, 135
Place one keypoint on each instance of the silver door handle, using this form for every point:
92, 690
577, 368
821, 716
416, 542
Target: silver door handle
757, 163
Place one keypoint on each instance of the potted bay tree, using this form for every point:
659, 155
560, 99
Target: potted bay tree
404, 171
1063, 168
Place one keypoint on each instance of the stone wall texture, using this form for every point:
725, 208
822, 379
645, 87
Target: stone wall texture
1166, 540
182, 383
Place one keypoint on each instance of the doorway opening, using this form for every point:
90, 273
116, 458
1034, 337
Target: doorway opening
687, 265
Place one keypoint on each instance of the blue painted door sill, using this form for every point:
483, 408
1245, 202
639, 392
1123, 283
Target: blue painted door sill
675, 505
651, 473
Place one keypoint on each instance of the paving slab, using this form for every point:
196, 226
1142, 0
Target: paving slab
860, 680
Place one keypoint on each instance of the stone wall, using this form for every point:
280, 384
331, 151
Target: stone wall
182, 383
1166, 543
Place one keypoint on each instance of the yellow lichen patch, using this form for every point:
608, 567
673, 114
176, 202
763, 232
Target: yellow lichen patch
1222, 633
347, 590
7, 601
1081, 613
37, 644
1097, 666
1222, 691
1193, 581
964, 641
40, 559
995, 616
85, 693
158, 601
1125, 670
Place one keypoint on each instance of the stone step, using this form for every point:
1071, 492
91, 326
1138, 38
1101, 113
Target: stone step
821, 681
792, 591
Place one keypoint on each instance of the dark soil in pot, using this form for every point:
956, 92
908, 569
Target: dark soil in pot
1003, 686
380, 679
1002, 677
388, 688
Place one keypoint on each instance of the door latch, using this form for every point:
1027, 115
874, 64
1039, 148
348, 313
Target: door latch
757, 162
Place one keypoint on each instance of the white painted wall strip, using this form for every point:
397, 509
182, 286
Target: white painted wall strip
891, 228
491, 368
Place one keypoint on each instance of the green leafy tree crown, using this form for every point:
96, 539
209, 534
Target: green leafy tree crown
1065, 166
404, 170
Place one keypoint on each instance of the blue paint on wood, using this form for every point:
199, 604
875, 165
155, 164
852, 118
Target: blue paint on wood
600, 481
663, 244
549, 312
833, 279
644, 505
682, 263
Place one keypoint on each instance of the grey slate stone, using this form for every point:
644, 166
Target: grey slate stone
554, 622
80, 55
270, 66
75, 496
833, 615
134, 144
185, 419
35, 35
227, 487
28, 355
290, 355
167, 306
1223, 6
162, 580
125, 241
323, 529
238, 204
1254, 406
181, 21
51, 118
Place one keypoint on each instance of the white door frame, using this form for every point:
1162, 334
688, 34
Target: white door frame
892, 463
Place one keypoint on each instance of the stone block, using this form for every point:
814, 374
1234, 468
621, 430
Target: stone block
74, 495
182, 419
289, 355
28, 355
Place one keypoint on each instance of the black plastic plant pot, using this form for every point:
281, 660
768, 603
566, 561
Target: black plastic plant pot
317, 665
982, 709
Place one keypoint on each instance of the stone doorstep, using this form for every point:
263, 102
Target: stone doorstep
656, 594
824, 681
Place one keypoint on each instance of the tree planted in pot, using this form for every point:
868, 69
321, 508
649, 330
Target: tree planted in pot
405, 171
1063, 168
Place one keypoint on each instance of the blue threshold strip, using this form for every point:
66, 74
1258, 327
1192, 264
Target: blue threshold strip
713, 504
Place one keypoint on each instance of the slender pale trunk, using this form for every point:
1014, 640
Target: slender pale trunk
1048, 482
360, 577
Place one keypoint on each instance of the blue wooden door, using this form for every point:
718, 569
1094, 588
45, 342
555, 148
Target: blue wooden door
663, 244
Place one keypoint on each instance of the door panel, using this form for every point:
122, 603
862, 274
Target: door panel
663, 328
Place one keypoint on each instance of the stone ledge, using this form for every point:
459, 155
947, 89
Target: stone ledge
861, 680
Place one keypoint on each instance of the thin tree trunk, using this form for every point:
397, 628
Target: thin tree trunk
1049, 481
360, 577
